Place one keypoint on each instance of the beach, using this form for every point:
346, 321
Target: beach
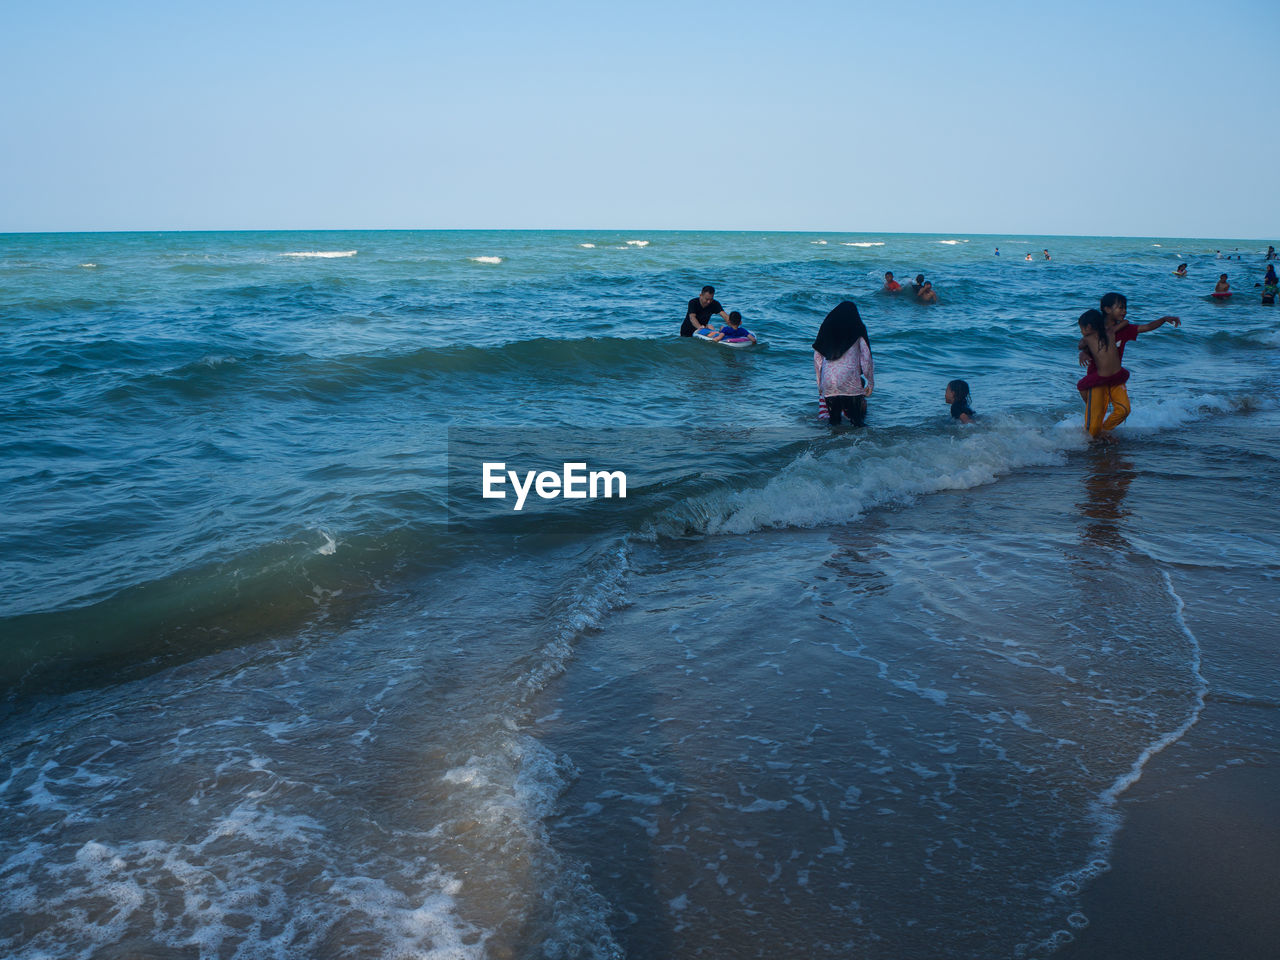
284, 679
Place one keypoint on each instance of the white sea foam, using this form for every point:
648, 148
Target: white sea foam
88, 264
322, 254
583, 607
487, 259
952, 243
213, 361
864, 243
1165, 414
329, 547
838, 485
637, 243
1104, 807
1201, 687
820, 243
587, 246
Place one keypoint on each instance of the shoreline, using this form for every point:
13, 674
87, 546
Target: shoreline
1195, 867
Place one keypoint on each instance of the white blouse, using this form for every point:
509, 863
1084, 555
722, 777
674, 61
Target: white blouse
843, 377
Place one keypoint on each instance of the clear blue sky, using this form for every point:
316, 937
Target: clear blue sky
1154, 118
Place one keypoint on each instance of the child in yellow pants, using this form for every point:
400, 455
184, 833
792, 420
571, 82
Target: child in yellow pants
1096, 401
1103, 387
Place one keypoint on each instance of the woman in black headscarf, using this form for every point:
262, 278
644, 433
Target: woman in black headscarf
842, 364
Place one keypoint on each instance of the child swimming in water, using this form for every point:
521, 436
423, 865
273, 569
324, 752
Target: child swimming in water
957, 394
1221, 288
1181, 271
734, 330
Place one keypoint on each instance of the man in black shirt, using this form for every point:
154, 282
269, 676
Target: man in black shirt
701, 309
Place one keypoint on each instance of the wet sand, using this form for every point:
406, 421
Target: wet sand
1195, 872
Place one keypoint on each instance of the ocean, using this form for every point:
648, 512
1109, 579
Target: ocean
280, 681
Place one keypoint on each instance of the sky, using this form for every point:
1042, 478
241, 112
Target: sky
1124, 119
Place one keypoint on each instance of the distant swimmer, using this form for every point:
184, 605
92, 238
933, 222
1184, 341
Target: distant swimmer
1046, 254
1269, 286
997, 251
1181, 271
1222, 289
915, 287
926, 293
891, 285
957, 395
1027, 257
701, 309
1271, 253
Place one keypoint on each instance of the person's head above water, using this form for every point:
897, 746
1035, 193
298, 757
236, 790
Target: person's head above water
735, 318
888, 274
842, 328
957, 393
707, 295
919, 278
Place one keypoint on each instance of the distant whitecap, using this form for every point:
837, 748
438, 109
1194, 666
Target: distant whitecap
821, 243
88, 264
487, 259
587, 246
862, 243
952, 243
323, 254
637, 243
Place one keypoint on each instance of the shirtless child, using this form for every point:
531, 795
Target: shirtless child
1115, 311
1107, 386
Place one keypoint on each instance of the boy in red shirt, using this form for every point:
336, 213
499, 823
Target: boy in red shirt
1115, 308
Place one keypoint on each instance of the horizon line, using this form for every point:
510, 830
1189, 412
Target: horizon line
887, 233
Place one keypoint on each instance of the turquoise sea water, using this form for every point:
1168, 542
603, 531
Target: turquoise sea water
280, 683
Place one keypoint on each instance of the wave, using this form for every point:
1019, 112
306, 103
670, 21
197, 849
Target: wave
323, 254
637, 243
541, 359
485, 259
841, 480
863, 243
275, 587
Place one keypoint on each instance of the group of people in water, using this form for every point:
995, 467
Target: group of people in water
842, 360
846, 373
845, 370
1222, 289
921, 289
